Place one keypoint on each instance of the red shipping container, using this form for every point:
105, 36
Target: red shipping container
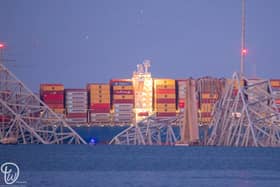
123, 92
76, 115
123, 101
52, 92
100, 105
277, 101
165, 91
53, 96
165, 100
166, 114
143, 114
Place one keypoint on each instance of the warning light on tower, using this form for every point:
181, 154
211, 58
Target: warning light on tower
244, 52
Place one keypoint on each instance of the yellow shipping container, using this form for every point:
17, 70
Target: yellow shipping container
165, 96
165, 110
165, 105
275, 83
164, 82
164, 87
97, 94
102, 100
209, 96
99, 87
49, 87
100, 97
122, 87
123, 96
206, 107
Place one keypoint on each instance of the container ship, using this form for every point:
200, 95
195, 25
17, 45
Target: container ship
128, 101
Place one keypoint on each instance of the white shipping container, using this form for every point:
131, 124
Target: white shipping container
71, 100
123, 109
123, 105
100, 114
76, 93
76, 110
100, 117
76, 106
123, 115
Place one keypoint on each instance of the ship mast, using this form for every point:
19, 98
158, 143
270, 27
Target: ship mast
243, 47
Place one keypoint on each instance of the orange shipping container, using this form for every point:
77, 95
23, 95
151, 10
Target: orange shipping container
165, 109
165, 96
99, 97
123, 96
51, 87
96, 92
275, 83
173, 105
164, 82
161, 87
98, 86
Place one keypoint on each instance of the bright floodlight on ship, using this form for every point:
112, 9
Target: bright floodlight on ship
2, 45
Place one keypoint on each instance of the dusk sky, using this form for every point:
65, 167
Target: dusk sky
76, 42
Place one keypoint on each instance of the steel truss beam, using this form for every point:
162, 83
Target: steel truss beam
247, 116
150, 131
25, 118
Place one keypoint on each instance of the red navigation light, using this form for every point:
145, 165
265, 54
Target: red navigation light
2, 45
244, 52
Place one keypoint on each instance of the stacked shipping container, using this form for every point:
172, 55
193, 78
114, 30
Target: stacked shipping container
181, 94
99, 103
76, 105
275, 85
53, 96
168, 95
165, 97
209, 90
122, 100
